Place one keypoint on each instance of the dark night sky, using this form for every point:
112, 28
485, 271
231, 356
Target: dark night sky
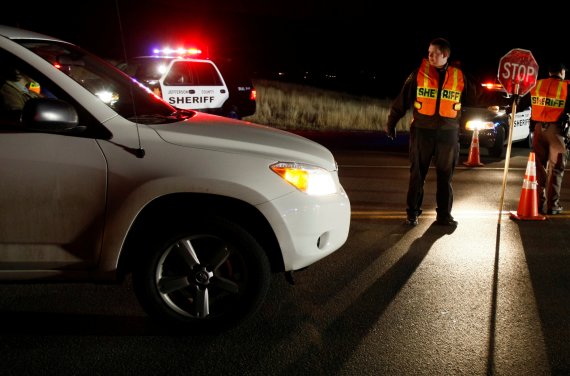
352, 39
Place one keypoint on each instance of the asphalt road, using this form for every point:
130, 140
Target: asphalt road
491, 297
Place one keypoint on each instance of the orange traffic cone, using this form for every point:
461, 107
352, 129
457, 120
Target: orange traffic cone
473, 158
528, 204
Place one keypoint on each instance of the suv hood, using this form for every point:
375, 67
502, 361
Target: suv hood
212, 132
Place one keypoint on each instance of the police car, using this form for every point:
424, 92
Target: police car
185, 83
188, 82
493, 122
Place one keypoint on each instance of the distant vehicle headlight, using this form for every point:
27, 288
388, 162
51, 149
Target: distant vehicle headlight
312, 180
479, 125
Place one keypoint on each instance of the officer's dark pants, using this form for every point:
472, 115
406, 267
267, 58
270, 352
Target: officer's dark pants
443, 147
549, 149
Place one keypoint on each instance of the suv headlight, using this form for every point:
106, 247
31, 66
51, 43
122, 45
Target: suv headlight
312, 180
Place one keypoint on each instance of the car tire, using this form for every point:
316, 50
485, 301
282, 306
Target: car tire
232, 112
498, 148
206, 277
529, 140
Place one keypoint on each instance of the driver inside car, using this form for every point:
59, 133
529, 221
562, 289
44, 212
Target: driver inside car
14, 92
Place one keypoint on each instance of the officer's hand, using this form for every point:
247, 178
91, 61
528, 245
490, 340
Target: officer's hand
391, 133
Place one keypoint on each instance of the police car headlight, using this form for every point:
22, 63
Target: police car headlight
479, 125
312, 180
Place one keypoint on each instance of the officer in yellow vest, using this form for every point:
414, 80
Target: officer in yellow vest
436, 90
549, 101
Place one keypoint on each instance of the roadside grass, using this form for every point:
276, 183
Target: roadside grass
297, 107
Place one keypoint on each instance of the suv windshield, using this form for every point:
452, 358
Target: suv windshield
116, 89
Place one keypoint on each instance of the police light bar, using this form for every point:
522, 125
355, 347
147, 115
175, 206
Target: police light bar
492, 86
179, 51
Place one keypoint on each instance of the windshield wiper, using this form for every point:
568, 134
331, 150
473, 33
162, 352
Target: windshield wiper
153, 119
184, 114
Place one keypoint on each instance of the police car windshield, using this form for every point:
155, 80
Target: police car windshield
500, 98
116, 89
146, 68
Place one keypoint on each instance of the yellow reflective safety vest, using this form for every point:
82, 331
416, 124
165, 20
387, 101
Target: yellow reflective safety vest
548, 99
427, 91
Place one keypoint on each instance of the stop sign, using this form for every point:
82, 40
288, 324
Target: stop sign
518, 71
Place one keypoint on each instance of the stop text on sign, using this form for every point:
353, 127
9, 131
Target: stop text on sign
517, 72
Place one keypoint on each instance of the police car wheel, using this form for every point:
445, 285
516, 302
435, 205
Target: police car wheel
529, 139
497, 150
205, 277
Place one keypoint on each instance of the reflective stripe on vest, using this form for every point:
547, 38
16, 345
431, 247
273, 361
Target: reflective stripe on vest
548, 99
427, 91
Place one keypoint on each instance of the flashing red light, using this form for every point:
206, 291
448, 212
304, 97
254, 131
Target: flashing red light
253, 94
194, 51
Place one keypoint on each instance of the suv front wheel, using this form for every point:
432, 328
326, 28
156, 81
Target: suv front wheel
207, 277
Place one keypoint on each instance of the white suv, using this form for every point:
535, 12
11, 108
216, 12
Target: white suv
100, 178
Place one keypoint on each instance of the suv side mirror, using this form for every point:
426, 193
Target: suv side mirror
51, 115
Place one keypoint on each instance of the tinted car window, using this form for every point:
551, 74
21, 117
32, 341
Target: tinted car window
109, 84
179, 75
20, 82
206, 74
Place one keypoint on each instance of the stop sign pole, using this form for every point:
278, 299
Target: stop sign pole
518, 72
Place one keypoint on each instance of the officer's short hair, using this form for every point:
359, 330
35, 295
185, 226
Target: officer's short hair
442, 44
